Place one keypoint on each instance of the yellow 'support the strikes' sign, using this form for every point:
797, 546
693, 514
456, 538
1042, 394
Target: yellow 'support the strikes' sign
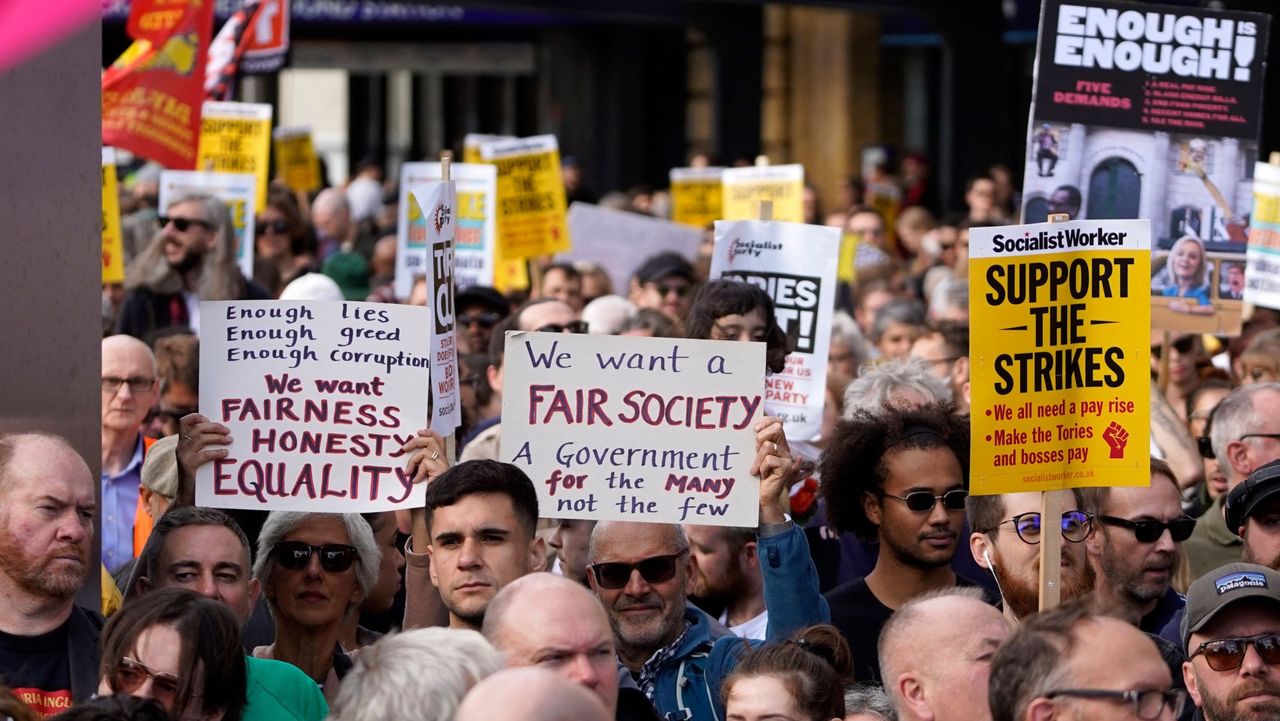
112, 240
746, 188
236, 138
531, 202
1060, 316
696, 196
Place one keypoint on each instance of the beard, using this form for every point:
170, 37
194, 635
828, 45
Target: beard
190, 260
36, 575
1128, 580
1228, 709
910, 552
1022, 595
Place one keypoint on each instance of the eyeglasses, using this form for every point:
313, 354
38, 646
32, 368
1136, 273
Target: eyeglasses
295, 555
1147, 703
573, 326
1150, 531
1272, 436
665, 290
950, 359
921, 501
485, 320
279, 227
137, 384
1076, 526
131, 674
1226, 654
1183, 345
182, 224
658, 569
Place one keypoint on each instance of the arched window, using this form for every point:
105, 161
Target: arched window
1114, 190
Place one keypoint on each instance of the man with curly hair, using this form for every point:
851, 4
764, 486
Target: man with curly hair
900, 477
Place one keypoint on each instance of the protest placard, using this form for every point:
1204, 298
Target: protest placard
475, 231
635, 429
619, 241
319, 396
1059, 371
531, 201
796, 265
435, 209
696, 196
296, 159
472, 142
237, 190
236, 138
1262, 278
746, 188
1152, 113
112, 240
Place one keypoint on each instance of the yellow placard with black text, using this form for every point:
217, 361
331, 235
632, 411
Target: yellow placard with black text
746, 188
236, 138
697, 196
112, 239
1059, 318
531, 199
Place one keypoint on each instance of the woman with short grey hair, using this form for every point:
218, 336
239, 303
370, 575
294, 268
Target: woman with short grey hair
314, 569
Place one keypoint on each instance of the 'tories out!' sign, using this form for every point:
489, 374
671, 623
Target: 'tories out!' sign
1060, 378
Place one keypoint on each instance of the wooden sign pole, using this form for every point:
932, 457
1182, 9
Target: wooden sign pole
1051, 527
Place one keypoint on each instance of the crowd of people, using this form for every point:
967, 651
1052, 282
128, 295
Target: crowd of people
874, 586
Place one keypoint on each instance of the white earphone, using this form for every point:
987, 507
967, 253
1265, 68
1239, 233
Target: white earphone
987, 558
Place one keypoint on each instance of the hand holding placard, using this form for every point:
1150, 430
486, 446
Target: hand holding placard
773, 466
196, 437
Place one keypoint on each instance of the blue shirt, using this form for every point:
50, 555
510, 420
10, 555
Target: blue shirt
119, 509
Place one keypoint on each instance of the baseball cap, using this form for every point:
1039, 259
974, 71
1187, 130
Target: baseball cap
664, 265
1262, 485
312, 286
1223, 586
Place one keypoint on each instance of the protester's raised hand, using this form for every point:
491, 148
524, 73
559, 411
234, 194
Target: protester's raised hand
196, 437
773, 466
426, 456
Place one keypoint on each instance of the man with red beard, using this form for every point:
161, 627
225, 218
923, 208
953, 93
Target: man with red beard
1231, 634
1136, 547
48, 645
1006, 541
727, 577
900, 476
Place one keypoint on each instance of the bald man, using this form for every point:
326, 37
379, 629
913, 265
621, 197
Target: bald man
129, 391
552, 622
530, 694
935, 655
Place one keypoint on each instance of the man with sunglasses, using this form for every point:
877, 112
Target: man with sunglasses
1068, 664
1245, 436
1134, 548
643, 574
1006, 542
479, 309
664, 282
1231, 632
204, 550
898, 477
192, 258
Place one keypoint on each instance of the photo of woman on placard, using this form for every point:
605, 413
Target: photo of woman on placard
1188, 272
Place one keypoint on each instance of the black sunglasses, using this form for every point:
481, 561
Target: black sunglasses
1183, 345
658, 569
1226, 654
573, 326
1075, 526
664, 290
921, 501
182, 224
279, 227
295, 555
1150, 531
485, 320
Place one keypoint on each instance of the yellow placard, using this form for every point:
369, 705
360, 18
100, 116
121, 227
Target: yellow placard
531, 202
746, 188
296, 159
696, 196
511, 275
472, 142
112, 240
1059, 318
236, 138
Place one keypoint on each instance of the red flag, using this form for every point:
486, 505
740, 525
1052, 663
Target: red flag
151, 95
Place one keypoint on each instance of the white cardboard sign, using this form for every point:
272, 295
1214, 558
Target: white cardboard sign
635, 429
319, 397
436, 213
